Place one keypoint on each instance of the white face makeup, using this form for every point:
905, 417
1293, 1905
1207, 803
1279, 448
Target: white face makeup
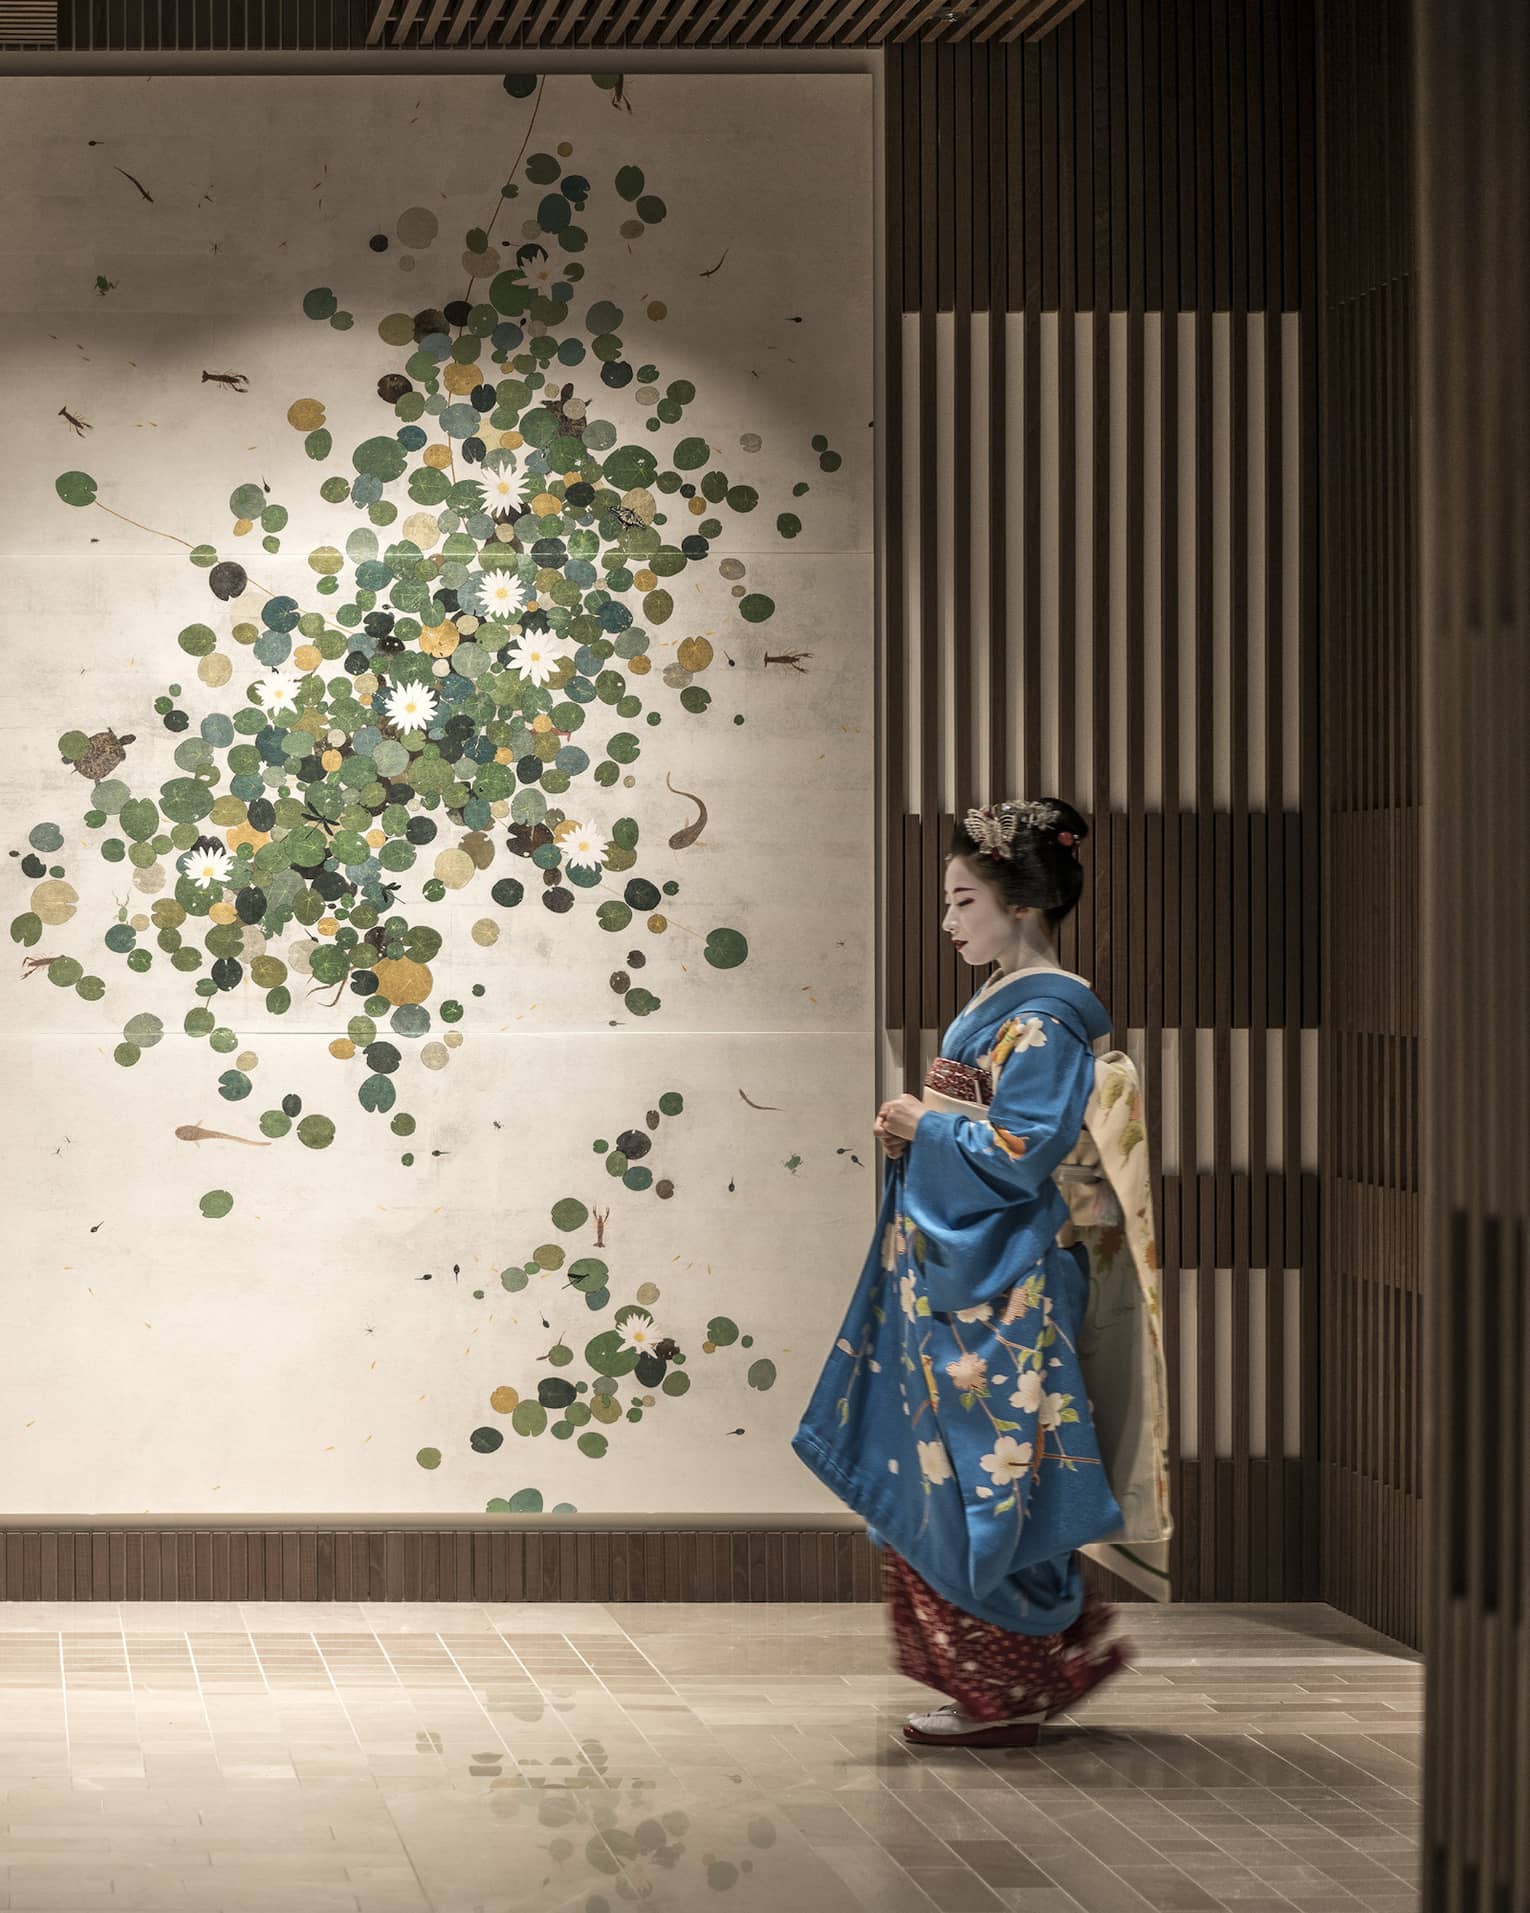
976, 921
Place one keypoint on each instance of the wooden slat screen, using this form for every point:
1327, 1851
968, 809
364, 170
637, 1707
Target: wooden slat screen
1372, 1440
1472, 64
1101, 581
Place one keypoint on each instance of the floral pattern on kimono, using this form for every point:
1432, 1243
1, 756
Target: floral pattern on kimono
952, 1413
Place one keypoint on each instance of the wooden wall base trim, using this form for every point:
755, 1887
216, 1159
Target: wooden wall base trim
1110, 1586
564, 1561
1245, 1529
1373, 1538
435, 1564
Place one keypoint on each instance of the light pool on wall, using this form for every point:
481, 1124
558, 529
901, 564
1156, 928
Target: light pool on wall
457, 708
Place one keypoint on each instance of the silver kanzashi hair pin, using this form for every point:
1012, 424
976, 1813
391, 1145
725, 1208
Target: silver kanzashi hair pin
992, 830
993, 827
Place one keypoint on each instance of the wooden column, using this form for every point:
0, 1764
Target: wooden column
1372, 1313
1473, 78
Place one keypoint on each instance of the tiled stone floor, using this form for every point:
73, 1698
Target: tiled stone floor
476, 1759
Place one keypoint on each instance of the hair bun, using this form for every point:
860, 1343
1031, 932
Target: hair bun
1069, 829
1029, 848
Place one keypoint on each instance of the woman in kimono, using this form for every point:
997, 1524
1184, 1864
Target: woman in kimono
952, 1414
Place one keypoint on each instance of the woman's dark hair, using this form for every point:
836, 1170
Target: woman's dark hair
1028, 856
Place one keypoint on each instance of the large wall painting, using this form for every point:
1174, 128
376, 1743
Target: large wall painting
439, 814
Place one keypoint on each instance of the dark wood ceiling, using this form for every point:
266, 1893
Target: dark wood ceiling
458, 26
706, 23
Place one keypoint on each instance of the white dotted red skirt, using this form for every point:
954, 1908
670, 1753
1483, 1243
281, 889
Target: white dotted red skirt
989, 1672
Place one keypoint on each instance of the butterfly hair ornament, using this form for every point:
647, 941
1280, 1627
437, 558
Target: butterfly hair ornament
995, 827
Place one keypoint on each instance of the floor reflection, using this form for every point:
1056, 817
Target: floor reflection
500, 1760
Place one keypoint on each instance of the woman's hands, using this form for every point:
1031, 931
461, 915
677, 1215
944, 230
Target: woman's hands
896, 1122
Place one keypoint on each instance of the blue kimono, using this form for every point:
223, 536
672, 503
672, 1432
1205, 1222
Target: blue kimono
952, 1413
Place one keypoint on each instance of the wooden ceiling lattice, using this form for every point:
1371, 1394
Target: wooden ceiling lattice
627, 24
28, 24
513, 26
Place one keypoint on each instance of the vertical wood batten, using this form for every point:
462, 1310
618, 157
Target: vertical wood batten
965, 707
893, 729
1000, 614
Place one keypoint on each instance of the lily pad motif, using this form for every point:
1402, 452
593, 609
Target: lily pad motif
596, 1386
76, 488
726, 949
475, 690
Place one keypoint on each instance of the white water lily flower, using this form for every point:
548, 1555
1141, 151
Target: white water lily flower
536, 656
934, 1462
278, 691
499, 594
1027, 1397
411, 707
501, 491
583, 847
1009, 1461
206, 866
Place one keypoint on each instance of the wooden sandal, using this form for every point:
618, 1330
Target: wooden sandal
931, 1730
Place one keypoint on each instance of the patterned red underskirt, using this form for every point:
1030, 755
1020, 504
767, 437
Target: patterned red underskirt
989, 1672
